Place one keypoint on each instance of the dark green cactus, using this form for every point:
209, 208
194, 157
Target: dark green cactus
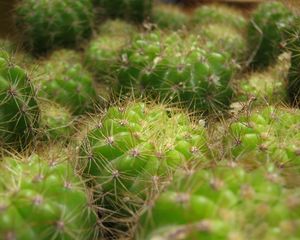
266, 32
131, 10
221, 203
48, 24
177, 70
19, 111
169, 17
43, 199
66, 81
130, 154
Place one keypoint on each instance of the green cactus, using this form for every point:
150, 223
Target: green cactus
266, 32
177, 70
48, 24
19, 111
43, 199
169, 17
266, 86
218, 14
101, 55
266, 135
56, 121
66, 81
221, 203
132, 151
131, 10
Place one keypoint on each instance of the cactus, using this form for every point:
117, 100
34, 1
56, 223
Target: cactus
49, 24
19, 111
66, 81
131, 10
224, 202
266, 135
43, 199
102, 53
131, 152
56, 121
266, 32
266, 86
218, 14
169, 17
177, 70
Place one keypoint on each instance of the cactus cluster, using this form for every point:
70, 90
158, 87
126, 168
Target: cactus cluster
132, 151
49, 24
43, 199
65, 80
173, 69
19, 110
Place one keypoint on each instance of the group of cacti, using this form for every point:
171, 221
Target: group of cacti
156, 125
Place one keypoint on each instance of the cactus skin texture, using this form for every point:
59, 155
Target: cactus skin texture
217, 14
177, 70
169, 17
49, 24
132, 10
266, 135
56, 122
222, 203
101, 55
19, 110
132, 152
43, 199
266, 32
67, 82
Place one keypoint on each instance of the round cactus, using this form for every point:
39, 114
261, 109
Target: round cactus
218, 14
48, 24
177, 70
66, 81
101, 55
19, 111
266, 32
266, 135
43, 199
222, 203
131, 153
131, 10
169, 17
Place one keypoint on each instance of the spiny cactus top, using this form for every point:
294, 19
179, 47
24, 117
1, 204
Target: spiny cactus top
223, 203
177, 70
218, 14
266, 32
267, 135
132, 10
66, 81
46, 24
19, 111
42, 199
133, 150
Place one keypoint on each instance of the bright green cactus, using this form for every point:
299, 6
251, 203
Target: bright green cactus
132, 10
222, 203
47, 24
19, 111
266, 32
66, 81
43, 199
176, 69
169, 17
56, 121
218, 14
266, 86
132, 151
101, 55
266, 135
